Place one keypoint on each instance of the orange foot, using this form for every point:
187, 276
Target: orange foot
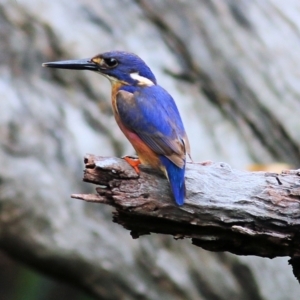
134, 162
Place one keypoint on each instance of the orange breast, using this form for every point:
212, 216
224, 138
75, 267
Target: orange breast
146, 155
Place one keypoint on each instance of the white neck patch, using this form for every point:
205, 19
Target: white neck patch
141, 80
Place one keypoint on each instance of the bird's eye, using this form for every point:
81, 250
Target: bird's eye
110, 62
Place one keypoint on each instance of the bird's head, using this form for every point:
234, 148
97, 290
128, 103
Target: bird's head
118, 66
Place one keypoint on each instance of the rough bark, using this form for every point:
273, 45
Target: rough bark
246, 213
232, 68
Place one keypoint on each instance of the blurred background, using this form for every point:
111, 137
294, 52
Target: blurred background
233, 68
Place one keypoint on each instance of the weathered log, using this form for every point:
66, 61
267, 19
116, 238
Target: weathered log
246, 213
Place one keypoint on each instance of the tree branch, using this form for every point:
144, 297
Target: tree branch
246, 213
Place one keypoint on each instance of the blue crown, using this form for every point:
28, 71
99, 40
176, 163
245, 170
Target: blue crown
124, 64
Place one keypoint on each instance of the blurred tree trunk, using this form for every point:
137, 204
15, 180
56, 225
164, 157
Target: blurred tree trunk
233, 69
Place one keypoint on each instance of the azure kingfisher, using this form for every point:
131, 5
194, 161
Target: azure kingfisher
145, 112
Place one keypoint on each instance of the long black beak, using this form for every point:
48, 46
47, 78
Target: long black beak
78, 64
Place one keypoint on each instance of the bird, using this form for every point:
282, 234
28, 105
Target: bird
145, 112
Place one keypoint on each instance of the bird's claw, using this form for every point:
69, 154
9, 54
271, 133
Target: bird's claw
134, 162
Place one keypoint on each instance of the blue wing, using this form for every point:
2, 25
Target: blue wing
152, 114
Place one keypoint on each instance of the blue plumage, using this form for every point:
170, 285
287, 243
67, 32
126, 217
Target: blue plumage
157, 113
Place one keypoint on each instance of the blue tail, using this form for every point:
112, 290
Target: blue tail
176, 179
